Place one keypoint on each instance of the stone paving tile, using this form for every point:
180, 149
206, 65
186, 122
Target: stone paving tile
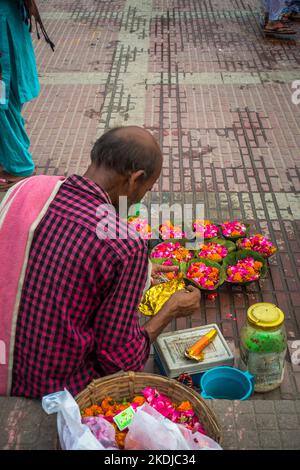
259, 424
218, 97
62, 123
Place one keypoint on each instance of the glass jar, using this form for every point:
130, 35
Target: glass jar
263, 345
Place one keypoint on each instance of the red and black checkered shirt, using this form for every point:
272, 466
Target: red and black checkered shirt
78, 313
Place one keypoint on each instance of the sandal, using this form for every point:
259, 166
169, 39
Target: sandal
280, 31
7, 180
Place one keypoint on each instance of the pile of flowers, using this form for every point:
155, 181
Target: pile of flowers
257, 243
213, 251
140, 225
168, 230
205, 228
109, 408
172, 250
245, 270
233, 229
206, 276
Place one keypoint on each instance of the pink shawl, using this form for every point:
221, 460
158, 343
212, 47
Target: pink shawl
20, 213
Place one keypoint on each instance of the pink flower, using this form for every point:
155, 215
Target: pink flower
205, 229
150, 393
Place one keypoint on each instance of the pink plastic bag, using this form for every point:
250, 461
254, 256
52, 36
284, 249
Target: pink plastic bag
150, 430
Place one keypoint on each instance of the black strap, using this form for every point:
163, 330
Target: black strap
38, 21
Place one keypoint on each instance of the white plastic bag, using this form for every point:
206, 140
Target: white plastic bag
73, 435
150, 430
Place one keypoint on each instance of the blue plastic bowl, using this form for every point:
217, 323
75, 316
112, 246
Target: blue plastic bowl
226, 383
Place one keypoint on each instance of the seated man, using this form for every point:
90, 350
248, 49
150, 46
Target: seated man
69, 298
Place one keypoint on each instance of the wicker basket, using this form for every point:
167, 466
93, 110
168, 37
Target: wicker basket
129, 384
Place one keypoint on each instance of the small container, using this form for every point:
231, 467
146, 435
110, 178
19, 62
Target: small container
263, 345
226, 383
169, 352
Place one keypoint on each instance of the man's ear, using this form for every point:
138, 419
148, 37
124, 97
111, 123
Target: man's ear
136, 178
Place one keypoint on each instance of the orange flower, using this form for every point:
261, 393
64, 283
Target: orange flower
120, 439
185, 406
171, 276
139, 400
121, 407
258, 265
107, 403
88, 412
93, 410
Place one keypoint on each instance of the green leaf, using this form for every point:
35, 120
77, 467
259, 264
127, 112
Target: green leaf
162, 260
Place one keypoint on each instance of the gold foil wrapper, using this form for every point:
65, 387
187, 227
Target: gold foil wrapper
157, 296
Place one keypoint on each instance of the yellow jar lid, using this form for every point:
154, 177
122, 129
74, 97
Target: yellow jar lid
265, 315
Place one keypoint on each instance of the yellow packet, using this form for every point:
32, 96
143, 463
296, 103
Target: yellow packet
157, 296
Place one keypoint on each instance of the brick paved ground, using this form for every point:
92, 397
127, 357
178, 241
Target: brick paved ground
217, 95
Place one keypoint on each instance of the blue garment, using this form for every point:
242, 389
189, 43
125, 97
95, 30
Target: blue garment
19, 74
274, 8
292, 6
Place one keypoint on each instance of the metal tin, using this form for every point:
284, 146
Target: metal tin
169, 350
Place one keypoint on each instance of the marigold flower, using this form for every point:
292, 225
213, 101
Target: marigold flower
184, 406
120, 438
93, 410
139, 400
108, 403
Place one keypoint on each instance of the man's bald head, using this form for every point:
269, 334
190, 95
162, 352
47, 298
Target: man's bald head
126, 150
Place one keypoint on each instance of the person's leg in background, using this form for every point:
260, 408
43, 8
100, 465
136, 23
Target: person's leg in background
274, 10
15, 158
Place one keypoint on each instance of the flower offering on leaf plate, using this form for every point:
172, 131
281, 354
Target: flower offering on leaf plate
213, 251
245, 270
206, 276
205, 228
168, 230
182, 413
172, 250
141, 226
257, 243
233, 229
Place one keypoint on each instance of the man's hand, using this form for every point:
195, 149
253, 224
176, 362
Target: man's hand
184, 302
158, 269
